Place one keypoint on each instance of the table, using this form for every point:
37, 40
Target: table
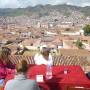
60, 81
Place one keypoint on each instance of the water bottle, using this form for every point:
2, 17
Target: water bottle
49, 71
65, 71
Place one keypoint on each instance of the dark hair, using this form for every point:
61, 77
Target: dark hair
22, 66
45, 49
5, 52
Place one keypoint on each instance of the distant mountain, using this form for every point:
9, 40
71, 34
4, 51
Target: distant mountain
45, 10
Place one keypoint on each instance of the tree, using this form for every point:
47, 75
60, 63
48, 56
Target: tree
79, 44
86, 30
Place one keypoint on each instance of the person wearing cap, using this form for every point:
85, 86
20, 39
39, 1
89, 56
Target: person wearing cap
44, 57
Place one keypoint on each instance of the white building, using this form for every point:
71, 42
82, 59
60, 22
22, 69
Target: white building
81, 32
70, 33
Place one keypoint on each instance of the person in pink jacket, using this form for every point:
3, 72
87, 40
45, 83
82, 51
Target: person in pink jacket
5, 63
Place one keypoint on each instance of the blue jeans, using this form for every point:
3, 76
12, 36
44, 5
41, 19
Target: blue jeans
1, 82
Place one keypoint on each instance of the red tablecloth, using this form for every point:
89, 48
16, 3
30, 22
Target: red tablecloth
60, 81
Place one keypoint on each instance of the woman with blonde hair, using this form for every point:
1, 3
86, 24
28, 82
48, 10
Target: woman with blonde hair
21, 82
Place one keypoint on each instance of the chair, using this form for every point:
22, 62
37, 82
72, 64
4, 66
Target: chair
78, 88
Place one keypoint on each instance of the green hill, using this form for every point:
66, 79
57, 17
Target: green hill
44, 10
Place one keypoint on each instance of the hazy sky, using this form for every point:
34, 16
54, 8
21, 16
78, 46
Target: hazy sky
25, 3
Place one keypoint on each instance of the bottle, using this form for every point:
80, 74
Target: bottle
49, 71
65, 71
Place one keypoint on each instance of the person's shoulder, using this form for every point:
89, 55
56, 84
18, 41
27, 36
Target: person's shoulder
36, 55
9, 82
32, 82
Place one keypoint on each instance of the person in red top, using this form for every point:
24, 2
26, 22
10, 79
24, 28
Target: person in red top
5, 63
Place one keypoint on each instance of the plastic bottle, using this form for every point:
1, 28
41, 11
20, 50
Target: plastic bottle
65, 71
49, 71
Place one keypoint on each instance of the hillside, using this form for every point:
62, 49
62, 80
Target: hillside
45, 10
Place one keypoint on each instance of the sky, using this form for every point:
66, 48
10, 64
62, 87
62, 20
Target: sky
25, 3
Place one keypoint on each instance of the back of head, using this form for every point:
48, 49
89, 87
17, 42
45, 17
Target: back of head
22, 67
5, 52
22, 83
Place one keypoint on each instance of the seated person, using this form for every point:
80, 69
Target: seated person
5, 63
88, 75
44, 57
20, 82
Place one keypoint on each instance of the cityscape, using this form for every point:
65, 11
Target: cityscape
45, 44
57, 29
